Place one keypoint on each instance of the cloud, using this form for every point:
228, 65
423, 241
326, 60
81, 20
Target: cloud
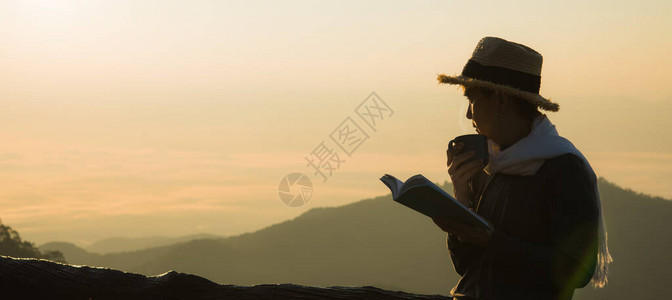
79, 190
68, 179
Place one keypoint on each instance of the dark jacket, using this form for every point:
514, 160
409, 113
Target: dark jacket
545, 239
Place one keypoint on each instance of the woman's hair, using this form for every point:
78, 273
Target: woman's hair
526, 109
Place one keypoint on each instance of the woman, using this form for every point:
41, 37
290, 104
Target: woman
538, 191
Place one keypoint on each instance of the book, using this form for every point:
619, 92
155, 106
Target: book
423, 196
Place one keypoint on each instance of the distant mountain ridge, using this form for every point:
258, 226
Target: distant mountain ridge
121, 244
381, 243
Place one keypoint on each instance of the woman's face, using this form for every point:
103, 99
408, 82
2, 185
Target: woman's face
482, 112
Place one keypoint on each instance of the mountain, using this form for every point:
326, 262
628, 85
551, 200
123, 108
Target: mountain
120, 244
381, 243
77, 255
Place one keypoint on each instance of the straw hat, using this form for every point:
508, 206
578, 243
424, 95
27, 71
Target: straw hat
506, 66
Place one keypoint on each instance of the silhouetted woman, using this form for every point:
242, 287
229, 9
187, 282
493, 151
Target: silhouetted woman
538, 191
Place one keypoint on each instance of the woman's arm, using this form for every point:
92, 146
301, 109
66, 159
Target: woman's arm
568, 257
462, 254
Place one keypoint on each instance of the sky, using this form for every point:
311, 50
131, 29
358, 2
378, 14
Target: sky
145, 118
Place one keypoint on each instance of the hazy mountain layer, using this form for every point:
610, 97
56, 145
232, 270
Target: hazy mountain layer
120, 244
381, 243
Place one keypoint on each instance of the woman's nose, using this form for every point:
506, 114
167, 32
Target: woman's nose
469, 112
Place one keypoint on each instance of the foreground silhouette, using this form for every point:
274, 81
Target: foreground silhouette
36, 278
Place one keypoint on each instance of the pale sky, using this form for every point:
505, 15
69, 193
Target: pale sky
137, 118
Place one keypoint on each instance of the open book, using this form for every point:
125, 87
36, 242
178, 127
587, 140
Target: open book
425, 197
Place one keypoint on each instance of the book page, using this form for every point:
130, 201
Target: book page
393, 184
415, 180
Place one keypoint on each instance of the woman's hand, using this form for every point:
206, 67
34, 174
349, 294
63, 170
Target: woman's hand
465, 233
461, 173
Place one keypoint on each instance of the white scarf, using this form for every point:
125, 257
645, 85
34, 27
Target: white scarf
527, 155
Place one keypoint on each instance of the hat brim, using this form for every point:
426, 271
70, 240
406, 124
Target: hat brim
536, 99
